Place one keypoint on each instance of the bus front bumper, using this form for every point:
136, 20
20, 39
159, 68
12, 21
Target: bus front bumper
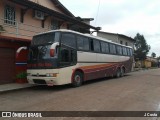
50, 81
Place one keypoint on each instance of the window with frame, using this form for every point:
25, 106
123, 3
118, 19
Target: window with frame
9, 15
86, 44
128, 52
96, 46
124, 51
107, 47
69, 40
55, 24
119, 50
67, 56
91, 45
112, 48
82, 43
104, 47
131, 52
64, 57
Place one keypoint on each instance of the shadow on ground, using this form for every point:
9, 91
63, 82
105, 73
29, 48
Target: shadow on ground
69, 86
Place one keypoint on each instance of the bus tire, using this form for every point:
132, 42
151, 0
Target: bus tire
118, 73
122, 71
77, 79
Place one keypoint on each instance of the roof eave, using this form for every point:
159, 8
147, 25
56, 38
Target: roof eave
61, 6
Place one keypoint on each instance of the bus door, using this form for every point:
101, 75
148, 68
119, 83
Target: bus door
67, 56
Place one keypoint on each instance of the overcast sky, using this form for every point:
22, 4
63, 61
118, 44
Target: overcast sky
122, 16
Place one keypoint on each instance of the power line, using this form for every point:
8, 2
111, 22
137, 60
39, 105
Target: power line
97, 12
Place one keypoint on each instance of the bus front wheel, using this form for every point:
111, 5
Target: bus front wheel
77, 80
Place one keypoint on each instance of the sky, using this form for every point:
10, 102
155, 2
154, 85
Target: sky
127, 17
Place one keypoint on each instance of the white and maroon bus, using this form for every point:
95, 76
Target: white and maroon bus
63, 56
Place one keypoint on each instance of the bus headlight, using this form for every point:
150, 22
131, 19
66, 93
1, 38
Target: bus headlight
51, 74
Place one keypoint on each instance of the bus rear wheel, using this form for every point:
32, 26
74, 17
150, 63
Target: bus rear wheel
77, 80
118, 73
122, 72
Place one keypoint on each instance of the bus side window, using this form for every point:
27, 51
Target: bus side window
128, 52
119, 50
107, 47
69, 40
82, 43
124, 51
103, 47
96, 46
112, 48
131, 52
86, 44
91, 45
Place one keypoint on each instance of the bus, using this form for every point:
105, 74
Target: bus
60, 57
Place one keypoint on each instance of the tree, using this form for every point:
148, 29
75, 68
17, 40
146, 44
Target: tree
141, 47
153, 54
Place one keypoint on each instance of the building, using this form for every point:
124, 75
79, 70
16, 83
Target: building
85, 20
147, 63
20, 20
118, 38
158, 63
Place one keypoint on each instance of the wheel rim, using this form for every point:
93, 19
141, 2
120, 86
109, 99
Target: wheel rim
118, 73
77, 79
122, 72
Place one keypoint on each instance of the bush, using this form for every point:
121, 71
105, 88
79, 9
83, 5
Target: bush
21, 75
154, 64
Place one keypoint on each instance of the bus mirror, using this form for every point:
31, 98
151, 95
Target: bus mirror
53, 49
19, 50
52, 52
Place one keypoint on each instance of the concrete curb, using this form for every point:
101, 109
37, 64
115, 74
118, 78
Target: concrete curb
140, 69
14, 87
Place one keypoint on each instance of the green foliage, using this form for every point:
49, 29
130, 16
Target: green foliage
141, 47
154, 64
21, 75
158, 58
153, 55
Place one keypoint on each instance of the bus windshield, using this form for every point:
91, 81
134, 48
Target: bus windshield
47, 38
39, 52
40, 45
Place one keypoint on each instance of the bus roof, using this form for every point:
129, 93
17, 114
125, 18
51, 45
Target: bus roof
87, 35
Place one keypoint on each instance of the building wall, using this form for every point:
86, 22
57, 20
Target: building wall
16, 35
124, 40
147, 64
114, 38
18, 66
30, 26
